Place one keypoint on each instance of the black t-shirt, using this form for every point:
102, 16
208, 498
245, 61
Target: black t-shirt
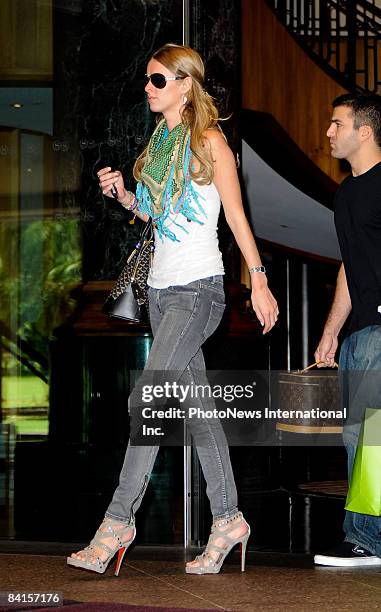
358, 226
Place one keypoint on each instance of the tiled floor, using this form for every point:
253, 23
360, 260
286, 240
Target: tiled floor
273, 581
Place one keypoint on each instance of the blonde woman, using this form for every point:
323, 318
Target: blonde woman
183, 175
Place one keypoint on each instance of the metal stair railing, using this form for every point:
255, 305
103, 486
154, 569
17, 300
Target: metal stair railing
36, 363
343, 36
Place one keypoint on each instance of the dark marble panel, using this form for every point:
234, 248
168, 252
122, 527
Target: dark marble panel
101, 49
215, 31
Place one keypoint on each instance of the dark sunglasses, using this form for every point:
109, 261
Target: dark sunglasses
160, 80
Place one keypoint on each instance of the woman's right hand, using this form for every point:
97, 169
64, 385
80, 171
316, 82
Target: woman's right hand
108, 179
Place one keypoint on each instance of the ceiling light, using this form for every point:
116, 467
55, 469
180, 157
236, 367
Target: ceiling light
16, 105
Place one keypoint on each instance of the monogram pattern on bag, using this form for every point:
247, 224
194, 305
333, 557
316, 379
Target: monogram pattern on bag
307, 391
136, 272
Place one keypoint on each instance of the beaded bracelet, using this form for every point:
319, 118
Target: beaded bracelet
133, 204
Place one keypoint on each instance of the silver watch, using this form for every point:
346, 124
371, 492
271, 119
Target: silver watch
261, 269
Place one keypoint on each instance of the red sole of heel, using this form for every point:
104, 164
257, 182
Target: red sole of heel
119, 560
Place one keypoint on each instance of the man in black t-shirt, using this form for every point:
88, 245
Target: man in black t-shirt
355, 135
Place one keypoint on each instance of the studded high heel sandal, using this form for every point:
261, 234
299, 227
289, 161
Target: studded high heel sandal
92, 560
220, 543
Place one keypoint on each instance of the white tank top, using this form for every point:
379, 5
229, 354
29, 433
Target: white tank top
197, 255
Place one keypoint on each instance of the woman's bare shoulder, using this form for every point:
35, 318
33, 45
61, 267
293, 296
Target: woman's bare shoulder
215, 142
215, 137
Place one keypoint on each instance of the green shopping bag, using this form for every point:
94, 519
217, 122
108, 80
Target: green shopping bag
364, 494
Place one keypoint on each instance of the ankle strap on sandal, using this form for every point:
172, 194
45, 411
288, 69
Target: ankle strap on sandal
226, 521
113, 521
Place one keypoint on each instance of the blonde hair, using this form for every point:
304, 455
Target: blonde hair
199, 112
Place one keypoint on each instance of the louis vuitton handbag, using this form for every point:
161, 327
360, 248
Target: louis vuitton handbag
307, 400
130, 292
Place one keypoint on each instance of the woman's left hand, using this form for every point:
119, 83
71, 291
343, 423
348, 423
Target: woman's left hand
265, 306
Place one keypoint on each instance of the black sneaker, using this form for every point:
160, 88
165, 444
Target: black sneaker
347, 555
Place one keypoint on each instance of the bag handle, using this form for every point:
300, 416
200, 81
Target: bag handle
147, 227
145, 234
336, 365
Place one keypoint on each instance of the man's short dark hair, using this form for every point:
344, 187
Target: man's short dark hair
366, 110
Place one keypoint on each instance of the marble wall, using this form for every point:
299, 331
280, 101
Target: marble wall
215, 31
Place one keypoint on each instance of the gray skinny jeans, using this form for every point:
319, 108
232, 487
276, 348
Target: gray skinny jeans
182, 318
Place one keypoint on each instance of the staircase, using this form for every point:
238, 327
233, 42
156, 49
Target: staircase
342, 36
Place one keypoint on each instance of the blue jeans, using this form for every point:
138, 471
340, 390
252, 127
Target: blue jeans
360, 354
182, 318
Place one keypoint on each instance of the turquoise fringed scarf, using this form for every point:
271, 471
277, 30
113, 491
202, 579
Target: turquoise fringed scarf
165, 181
